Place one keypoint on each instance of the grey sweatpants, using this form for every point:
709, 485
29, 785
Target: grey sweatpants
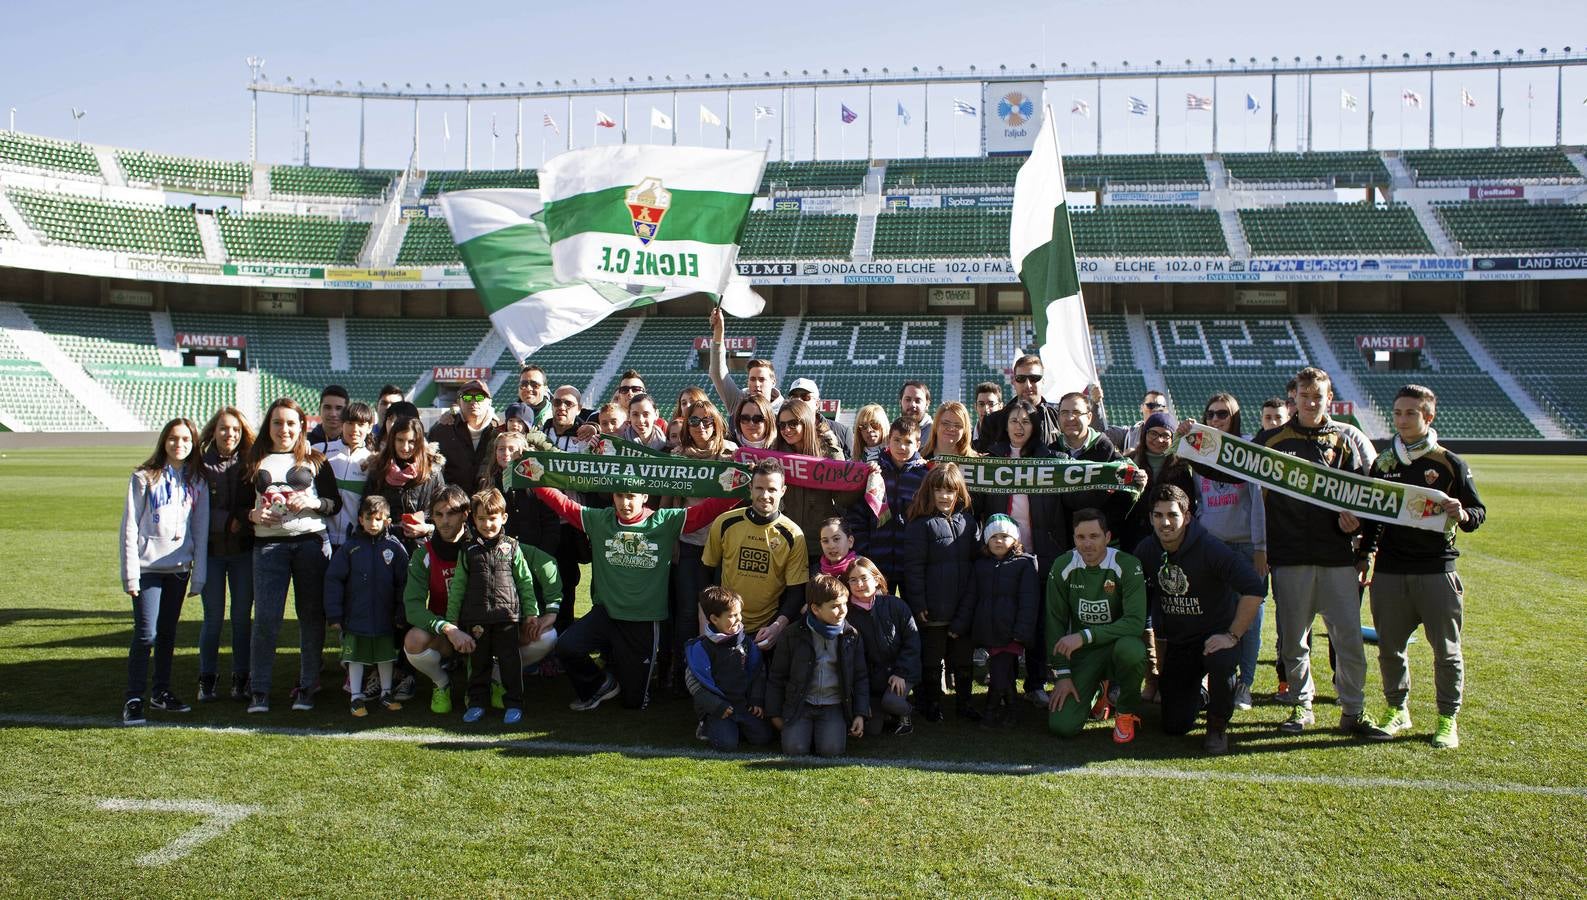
1302, 592
1435, 602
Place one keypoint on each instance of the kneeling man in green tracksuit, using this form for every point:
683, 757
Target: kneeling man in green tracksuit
1096, 599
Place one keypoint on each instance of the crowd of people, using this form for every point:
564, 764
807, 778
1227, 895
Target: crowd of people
804, 615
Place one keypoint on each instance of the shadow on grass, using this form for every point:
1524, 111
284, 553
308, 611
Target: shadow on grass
93, 687
15, 615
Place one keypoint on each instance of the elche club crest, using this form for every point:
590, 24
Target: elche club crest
647, 203
733, 479
1015, 109
1204, 443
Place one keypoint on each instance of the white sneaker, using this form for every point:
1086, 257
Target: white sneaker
1242, 696
608, 690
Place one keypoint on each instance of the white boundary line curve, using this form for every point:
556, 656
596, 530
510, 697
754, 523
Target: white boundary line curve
967, 767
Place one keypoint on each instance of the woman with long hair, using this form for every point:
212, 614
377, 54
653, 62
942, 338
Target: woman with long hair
222, 448
870, 433
164, 551
801, 431
753, 424
704, 436
408, 475
289, 494
950, 432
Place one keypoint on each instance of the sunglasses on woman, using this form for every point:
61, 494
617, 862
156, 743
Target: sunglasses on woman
704, 421
754, 418
1217, 414
789, 424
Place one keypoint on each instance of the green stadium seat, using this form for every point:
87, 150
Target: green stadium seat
814, 175
276, 237
102, 225
1500, 226
795, 235
1546, 165
1348, 228
30, 152
185, 172
312, 181
1351, 168
428, 242
443, 180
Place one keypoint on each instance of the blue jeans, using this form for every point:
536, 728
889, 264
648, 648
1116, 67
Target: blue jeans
155, 612
1251, 641
301, 565
724, 734
689, 578
819, 728
236, 572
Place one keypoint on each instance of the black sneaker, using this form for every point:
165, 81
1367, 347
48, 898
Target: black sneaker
167, 701
206, 688
302, 700
904, 727
405, 688
132, 712
239, 687
259, 703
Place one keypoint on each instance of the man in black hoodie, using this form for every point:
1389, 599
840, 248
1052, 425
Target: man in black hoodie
1318, 567
1202, 596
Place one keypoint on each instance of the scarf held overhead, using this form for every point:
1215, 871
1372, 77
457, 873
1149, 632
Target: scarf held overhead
826, 475
1041, 475
657, 476
1367, 498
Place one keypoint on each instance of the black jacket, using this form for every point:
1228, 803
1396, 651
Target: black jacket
1300, 533
1052, 534
793, 666
1137, 522
938, 559
1193, 593
1002, 604
228, 532
1404, 550
532, 522
727, 674
892, 642
464, 461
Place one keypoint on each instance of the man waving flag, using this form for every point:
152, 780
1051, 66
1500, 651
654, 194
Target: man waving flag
1043, 250
502, 239
666, 217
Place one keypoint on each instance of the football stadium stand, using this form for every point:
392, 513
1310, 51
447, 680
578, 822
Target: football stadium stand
951, 172
793, 235
664, 352
1184, 170
1497, 226
102, 225
962, 231
31, 152
428, 242
1510, 164
1147, 231
442, 180
185, 172
817, 175
31, 398
1545, 354
313, 181
277, 237
1351, 168
1308, 228
90, 336
1250, 358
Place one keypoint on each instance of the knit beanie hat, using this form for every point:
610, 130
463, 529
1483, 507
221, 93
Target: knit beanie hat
1000, 524
1162, 420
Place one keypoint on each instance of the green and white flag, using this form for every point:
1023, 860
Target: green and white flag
1042, 248
503, 241
665, 217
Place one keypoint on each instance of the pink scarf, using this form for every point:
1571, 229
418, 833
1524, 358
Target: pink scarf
863, 604
836, 569
397, 476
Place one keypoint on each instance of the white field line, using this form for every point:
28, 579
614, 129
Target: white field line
217, 818
1121, 769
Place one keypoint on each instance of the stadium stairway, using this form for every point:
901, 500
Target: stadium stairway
248, 395
870, 207
1545, 424
610, 368
108, 164
953, 360
165, 338
42, 349
1433, 227
12, 217
784, 355
336, 335
1146, 357
1399, 175
209, 237
1345, 386
1579, 160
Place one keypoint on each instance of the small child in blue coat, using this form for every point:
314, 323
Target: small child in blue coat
726, 674
999, 613
363, 586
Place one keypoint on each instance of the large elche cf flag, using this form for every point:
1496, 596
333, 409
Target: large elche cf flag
666, 217
1042, 248
503, 241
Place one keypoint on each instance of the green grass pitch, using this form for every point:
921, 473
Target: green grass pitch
616, 803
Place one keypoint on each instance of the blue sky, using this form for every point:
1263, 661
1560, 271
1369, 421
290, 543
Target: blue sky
171, 77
